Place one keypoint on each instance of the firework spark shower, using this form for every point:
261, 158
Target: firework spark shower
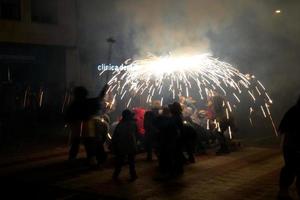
200, 76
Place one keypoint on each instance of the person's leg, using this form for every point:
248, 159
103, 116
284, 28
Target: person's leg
74, 148
285, 181
199, 146
148, 145
131, 162
177, 159
163, 162
93, 152
297, 170
224, 148
286, 177
287, 174
86, 142
298, 185
179, 162
100, 152
89, 146
119, 160
190, 151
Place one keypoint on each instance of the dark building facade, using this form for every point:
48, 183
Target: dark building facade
38, 43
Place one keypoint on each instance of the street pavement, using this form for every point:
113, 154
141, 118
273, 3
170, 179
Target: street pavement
249, 173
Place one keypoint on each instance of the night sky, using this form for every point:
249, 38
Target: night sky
248, 34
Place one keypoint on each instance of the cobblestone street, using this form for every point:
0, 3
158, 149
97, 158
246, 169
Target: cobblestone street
250, 173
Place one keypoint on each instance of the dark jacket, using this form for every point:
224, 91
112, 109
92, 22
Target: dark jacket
289, 126
124, 138
81, 110
79, 113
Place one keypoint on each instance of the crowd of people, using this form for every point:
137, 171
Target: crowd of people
173, 133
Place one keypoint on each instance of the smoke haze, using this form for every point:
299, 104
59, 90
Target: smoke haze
248, 34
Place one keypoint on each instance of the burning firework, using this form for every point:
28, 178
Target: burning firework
200, 76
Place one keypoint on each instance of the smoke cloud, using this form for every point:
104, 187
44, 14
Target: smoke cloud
249, 34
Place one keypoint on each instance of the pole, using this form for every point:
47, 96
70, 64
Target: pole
110, 42
8, 75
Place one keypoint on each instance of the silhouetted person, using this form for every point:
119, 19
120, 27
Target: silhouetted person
75, 114
290, 132
224, 146
150, 132
139, 120
169, 126
189, 139
112, 129
224, 123
124, 144
94, 132
203, 134
80, 111
102, 132
202, 139
166, 139
176, 117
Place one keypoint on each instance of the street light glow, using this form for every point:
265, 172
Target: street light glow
278, 11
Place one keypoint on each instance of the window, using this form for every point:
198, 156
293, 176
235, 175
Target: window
10, 9
44, 11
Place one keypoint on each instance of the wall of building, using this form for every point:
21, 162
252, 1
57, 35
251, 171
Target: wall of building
40, 28
27, 31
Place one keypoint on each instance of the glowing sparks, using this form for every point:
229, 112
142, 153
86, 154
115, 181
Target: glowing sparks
41, 99
251, 95
278, 11
227, 114
199, 76
218, 127
229, 106
236, 97
128, 102
179, 75
109, 136
263, 111
230, 132
250, 113
25, 98
269, 99
207, 124
161, 101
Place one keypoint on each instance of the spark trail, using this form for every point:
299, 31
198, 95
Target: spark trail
200, 76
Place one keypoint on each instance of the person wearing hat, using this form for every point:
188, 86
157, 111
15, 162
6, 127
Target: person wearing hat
124, 144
